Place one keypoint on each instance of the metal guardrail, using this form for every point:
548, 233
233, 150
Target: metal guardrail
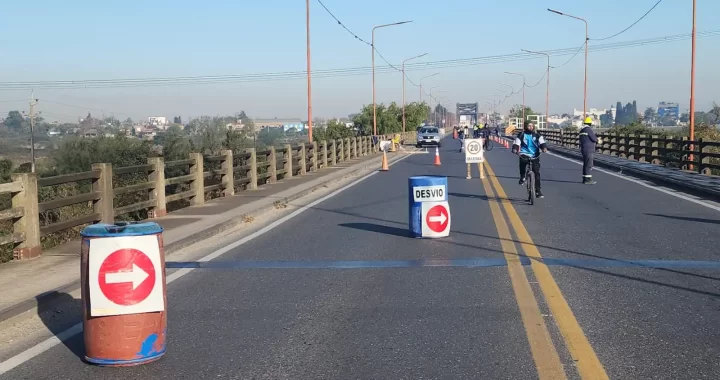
695, 155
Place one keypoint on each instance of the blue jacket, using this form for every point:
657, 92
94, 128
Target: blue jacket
520, 145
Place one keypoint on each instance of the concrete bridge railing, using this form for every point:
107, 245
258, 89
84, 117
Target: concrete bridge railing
669, 152
44, 206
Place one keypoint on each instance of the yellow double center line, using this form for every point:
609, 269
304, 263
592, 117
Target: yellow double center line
543, 350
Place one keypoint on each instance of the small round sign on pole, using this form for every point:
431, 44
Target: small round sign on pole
474, 154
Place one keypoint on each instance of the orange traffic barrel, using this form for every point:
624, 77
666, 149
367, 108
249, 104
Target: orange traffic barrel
124, 294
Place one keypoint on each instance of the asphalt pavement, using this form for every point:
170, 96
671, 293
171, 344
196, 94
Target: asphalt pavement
659, 323
435, 320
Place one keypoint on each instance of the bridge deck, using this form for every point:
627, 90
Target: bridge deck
620, 270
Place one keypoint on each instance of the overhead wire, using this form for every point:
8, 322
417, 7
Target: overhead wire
361, 40
571, 58
86, 108
631, 25
328, 73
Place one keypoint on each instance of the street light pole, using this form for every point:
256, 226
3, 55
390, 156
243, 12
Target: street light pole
309, 80
423, 78
372, 46
431, 99
547, 85
523, 90
33, 102
692, 80
587, 40
403, 87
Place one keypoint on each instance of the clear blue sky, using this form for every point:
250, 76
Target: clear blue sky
82, 39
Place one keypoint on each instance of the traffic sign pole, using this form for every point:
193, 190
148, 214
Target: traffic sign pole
474, 153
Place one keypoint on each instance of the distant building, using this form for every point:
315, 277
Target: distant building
158, 121
90, 132
594, 112
284, 124
54, 132
670, 110
235, 126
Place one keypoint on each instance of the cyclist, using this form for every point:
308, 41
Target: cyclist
529, 143
461, 137
485, 134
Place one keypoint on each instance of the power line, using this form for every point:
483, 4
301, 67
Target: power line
356, 36
85, 108
631, 25
328, 73
538, 82
571, 58
343, 25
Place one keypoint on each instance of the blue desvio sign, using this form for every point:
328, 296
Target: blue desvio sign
423, 189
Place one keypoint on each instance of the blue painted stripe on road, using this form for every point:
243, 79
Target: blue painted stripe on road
347, 264
524, 260
448, 263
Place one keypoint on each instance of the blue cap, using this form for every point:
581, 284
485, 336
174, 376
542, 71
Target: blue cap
121, 229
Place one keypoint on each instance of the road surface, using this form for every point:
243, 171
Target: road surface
470, 306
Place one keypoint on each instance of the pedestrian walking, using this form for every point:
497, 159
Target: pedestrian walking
588, 142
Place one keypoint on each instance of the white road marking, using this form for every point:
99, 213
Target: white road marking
641, 183
49, 343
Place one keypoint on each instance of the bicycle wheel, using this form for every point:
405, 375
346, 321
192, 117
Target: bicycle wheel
488, 145
531, 187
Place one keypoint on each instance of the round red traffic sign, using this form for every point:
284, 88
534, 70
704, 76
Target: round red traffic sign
437, 218
127, 277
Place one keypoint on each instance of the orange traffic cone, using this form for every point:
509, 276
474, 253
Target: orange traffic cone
384, 166
437, 157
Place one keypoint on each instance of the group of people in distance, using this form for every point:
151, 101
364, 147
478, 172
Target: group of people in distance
529, 144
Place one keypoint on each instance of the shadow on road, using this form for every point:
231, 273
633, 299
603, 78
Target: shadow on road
59, 315
404, 233
687, 218
486, 198
653, 282
379, 228
542, 179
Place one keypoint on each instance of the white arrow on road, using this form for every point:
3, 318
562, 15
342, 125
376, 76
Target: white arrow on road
440, 218
137, 275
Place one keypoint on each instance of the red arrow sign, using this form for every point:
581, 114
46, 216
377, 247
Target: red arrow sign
127, 277
437, 218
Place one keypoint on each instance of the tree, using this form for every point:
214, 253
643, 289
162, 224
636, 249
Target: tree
649, 115
15, 121
517, 111
268, 136
634, 111
606, 120
175, 144
78, 154
415, 114
236, 141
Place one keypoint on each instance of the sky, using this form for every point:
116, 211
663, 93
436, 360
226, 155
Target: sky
83, 39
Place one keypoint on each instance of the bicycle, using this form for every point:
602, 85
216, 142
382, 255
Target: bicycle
488, 144
530, 177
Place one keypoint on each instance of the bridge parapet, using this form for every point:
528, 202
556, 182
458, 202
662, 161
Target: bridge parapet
699, 156
45, 207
